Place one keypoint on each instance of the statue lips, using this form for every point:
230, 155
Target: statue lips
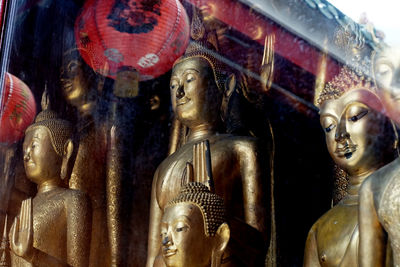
346, 151
168, 252
67, 85
182, 101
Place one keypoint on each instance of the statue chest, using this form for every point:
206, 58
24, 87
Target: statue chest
338, 235
50, 226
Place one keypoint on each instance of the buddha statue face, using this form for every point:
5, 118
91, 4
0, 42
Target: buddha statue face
193, 232
194, 93
387, 75
356, 134
41, 161
184, 242
76, 87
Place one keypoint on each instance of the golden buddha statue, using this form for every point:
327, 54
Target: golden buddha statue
53, 228
194, 231
357, 140
197, 88
81, 87
380, 194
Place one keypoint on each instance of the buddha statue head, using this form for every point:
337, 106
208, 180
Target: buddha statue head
80, 83
197, 86
47, 148
386, 69
193, 228
358, 135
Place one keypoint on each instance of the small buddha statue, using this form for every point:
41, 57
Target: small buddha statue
357, 139
379, 217
194, 231
53, 228
197, 87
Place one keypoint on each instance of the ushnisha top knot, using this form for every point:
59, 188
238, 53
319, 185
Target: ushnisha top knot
211, 205
345, 81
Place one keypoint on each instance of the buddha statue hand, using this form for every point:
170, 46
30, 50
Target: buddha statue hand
267, 65
45, 103
21, 233
200, 171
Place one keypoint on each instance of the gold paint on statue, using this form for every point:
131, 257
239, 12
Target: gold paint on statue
193, 228
268, 63
356, 137
380, 194
196, 92
4, 247
53, 228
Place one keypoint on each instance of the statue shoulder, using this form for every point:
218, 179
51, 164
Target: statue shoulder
76, 198
236, 142
384, 184
247, 147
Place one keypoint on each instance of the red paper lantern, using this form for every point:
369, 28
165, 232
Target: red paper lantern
148, 35
18, 109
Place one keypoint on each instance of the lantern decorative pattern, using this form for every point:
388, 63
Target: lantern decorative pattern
18, 109
148, 35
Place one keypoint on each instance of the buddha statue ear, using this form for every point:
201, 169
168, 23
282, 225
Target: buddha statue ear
67, 154
221, 239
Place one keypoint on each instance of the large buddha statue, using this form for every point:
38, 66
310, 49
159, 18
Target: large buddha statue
194, 231
197, 88
380, 194
53, 228
358, 141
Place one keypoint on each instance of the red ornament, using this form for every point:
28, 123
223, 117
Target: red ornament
148, 35
18, 109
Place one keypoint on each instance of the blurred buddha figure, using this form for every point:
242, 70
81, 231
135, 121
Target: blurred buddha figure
97, 168
387, 76
81, 90
197, 88
380, 194
357, 139
53, 228
193, 228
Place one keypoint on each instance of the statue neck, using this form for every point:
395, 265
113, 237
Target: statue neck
355, 182
201, 132
49, 185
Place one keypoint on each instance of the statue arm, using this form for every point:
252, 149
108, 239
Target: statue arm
154, 241
40, 258
372, 236
253, 182
79, 224
311, 251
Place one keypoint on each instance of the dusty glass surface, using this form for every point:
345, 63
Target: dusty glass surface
263, 88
